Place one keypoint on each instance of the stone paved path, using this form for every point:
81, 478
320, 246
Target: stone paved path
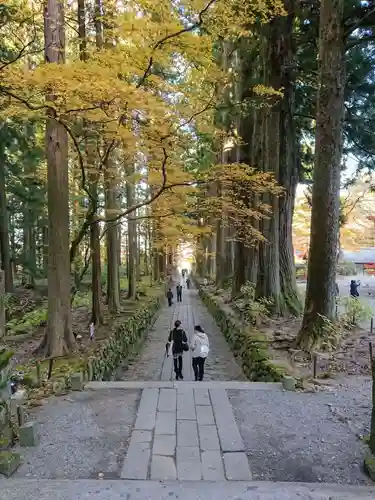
152, 363
185, 434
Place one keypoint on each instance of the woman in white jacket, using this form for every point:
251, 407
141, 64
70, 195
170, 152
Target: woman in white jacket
200, 347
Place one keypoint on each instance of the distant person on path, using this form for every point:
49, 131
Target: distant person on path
188, 283
179, 293
170, 297
354, 288
176, 345
200, 347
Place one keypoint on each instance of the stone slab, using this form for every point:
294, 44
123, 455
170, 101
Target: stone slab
163, 468
229, 435
28, 434
205, 415
165, 422
202, 397
92, 489
186, 405
164, 445
187, 433
9, 463
136, 463
231, 385
236, 467
147, 410
212, 466
167, 371
189, 467
141, 437
127, 384
167, 400
151, 384
208, 438
76, 382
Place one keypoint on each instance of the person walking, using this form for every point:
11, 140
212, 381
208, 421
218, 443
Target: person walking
188, 283
179, 293
176, 345
170, 297
354, 285
200, 347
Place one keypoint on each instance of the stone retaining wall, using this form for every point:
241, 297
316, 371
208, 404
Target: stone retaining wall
6, 432
103, 363
247, 344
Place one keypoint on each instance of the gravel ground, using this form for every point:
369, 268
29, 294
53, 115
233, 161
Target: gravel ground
306, 437
82, 435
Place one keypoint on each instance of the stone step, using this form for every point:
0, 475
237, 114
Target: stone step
186, 434
167, 384
30, 489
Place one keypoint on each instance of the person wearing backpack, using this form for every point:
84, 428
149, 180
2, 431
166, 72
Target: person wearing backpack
200, 347
176, 345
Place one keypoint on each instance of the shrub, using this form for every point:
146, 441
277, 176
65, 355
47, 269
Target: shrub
253, 310
355, 311
28, 322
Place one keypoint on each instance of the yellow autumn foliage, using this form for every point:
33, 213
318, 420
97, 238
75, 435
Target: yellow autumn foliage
146, 92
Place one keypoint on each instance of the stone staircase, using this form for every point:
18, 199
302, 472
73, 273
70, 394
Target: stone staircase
185, 445
186, 433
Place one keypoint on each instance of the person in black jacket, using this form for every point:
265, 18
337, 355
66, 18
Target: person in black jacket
179, 342
354, 288
179, 293
170, 297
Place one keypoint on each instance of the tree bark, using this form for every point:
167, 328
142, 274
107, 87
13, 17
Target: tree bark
6, 262
93, 178
288, 178
132, 235
96, 268
320, 294
113, 277
59, 336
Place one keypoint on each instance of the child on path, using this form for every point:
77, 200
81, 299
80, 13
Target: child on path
200, 347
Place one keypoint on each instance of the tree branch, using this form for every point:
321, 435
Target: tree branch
162, 41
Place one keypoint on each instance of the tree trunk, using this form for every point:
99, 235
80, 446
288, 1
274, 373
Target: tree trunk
288, 178
93, 178
45, 247
269, 284
29, 250
59, 336
96, 268
132, 234
6, 263
320, 293
113, 277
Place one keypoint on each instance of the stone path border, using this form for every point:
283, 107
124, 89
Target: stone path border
140, 384
186, 434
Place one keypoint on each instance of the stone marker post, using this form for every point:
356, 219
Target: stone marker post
2, 304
